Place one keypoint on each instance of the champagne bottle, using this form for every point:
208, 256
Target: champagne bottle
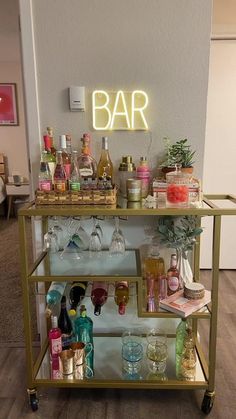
54, 296
54, 336
84, 333
52, 148
50, 157
173, 276
64, 323
45, 177
99, 296
77, 293
121, 295
60, 182
74, 181
105, 166
87, 164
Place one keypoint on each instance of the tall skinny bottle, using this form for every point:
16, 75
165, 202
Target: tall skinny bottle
173, 276
45, 177
105, 166
66, 157
74, 182
60, 182
54, 296
54, 337
121, 296
65, 324
84, 333
99, 296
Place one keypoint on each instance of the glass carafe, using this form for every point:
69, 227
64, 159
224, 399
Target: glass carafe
177, 193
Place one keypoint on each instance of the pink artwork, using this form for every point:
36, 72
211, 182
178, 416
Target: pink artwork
8, 104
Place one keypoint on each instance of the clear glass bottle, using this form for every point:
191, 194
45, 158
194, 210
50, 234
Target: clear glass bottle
50, 157
87, 164
173, 284
84, 333
143, 173
66, 157
68, 144
105, 166
121, 295
188, 359
60, 181
54, 337
54, 296
52, 147
45, 177
154, 265
99, 296
65, 325
74, 182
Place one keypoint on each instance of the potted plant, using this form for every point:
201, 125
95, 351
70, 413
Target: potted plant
178, 153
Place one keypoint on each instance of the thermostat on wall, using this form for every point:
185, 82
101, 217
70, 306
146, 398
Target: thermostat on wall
77, 98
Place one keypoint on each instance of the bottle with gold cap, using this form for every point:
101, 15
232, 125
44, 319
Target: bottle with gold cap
76, 295
127, 170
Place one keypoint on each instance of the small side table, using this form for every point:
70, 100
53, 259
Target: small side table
14, 191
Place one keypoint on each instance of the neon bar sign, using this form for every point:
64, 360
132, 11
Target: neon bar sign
119, 110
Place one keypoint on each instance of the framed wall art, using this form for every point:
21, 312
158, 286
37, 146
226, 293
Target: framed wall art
8, 104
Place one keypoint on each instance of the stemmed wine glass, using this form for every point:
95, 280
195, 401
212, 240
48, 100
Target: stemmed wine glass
117, 246
95, 244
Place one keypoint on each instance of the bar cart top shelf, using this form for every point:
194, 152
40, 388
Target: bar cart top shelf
210, 205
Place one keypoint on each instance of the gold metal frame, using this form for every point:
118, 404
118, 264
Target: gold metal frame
210, 209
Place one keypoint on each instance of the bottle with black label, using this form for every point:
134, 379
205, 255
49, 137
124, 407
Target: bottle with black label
65, 324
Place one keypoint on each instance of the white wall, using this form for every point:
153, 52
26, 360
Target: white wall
159, 46
220, 147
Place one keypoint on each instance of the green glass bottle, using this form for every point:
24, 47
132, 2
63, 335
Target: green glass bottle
181, 333
83, 326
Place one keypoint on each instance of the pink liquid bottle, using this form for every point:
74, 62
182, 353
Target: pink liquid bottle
99, 296
151, 303
143, 173
55, 340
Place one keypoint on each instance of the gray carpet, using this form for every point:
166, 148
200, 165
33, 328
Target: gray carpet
11, 303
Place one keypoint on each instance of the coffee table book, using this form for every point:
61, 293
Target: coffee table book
177, 303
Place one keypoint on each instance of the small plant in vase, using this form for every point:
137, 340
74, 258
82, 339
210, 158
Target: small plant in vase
180, 234
179, 153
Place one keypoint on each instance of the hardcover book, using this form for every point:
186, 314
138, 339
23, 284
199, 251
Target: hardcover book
177, 303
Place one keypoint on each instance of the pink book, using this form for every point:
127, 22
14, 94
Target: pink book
180, 305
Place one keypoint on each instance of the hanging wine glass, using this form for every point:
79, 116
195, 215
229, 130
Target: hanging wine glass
50, 241
98, 228
56, 225
117, 246
95, 244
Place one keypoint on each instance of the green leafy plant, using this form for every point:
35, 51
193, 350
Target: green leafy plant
178, 153
179, 232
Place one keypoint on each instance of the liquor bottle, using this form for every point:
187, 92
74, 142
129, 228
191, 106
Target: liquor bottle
45, 177
50, 157
65, 325
74, 182
121, 295
154, 265
55, 340
54, 296
105, 166
52, 148
99, 296
77, 293
173, 276
84, 333
143, 173
151, 301
60, 182
66, 157
87, 164
188, 358
68, 144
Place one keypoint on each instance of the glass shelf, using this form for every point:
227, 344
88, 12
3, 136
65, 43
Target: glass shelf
103, 264
108, 367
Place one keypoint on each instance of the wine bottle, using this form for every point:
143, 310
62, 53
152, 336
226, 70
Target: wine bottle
121, 295
52, 148
55, 340
66, 157
60, 181
50, 157
84, 333
74, 181
45, 177
54, 296
173, 276
105, 166
99, 296
87, 164
77, 293
64, 323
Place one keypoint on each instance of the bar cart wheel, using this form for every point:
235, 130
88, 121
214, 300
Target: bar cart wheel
208, 401
33, 400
